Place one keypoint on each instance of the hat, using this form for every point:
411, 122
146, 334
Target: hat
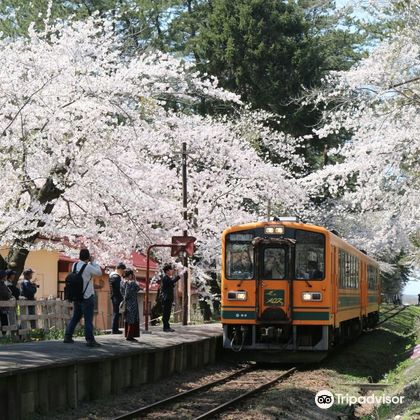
28, 271
10, 272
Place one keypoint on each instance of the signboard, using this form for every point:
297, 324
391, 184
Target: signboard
186, 243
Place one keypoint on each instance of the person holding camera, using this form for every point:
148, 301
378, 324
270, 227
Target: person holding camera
28, 290
167, 285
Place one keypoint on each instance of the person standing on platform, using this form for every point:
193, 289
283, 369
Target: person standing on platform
116, 296
28, 291
11, 283
15, 291
129, 290
5, 295
167, 285
86, 307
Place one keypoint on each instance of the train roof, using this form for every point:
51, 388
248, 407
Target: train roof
296, 225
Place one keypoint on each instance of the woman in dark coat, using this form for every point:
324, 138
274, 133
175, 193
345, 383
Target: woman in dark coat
129, 290
5, 295
11, 283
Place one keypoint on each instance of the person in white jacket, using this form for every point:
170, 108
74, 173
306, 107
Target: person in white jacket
84, 308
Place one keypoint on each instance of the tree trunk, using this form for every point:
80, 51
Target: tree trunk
205, 306
205, 310
18, 251
3, 263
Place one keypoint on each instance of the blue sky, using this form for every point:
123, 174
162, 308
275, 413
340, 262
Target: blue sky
413, 286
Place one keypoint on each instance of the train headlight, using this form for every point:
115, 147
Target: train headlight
274, 230
312, 296
237, 295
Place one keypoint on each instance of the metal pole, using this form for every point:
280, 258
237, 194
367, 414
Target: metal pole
184, 205
146, 300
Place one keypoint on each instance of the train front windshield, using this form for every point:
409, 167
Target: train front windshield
309, 256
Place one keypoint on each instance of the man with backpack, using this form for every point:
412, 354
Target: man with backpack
79, 285
116, 296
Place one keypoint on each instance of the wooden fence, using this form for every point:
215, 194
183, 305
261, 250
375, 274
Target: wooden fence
46, 314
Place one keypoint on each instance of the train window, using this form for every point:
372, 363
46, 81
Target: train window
349, 270
372, 278
274, 263
239, 260
310, 254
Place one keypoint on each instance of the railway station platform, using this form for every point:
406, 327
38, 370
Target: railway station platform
46, 376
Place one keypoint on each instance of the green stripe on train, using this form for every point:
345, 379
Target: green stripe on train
238, 315
348, 300
311, 316
297, 316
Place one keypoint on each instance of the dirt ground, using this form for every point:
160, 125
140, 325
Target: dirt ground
292, 400
106, 408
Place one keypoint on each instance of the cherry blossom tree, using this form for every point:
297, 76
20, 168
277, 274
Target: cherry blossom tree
90, 147
371, 193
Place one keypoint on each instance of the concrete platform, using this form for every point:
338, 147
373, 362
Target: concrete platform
41, 377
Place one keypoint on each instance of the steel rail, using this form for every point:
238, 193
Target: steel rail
143, 410
391, 316
389, 310
232, 402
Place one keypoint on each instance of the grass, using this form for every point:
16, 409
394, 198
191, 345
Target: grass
383, 356
375, 354
405, 377
43, 335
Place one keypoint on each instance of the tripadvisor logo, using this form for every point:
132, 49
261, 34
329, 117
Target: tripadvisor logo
325, 399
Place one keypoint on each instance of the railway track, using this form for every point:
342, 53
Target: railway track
209, 400
398, 310
389, 310
213, 398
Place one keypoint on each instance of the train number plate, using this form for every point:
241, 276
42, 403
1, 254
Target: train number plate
273, 297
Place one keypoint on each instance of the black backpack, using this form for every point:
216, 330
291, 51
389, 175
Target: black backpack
73, 290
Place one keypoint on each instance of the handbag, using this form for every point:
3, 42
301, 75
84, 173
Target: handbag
122, 307
123, 304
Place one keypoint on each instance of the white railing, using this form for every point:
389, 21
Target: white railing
47, 314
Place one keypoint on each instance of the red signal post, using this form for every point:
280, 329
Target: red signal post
179, 244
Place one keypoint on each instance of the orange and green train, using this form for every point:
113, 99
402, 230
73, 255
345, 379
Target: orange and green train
291, 288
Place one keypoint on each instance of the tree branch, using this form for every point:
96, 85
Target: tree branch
26, 103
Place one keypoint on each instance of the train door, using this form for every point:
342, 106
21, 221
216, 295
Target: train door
273, 283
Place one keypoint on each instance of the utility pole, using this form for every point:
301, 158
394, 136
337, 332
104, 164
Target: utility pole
185, 232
